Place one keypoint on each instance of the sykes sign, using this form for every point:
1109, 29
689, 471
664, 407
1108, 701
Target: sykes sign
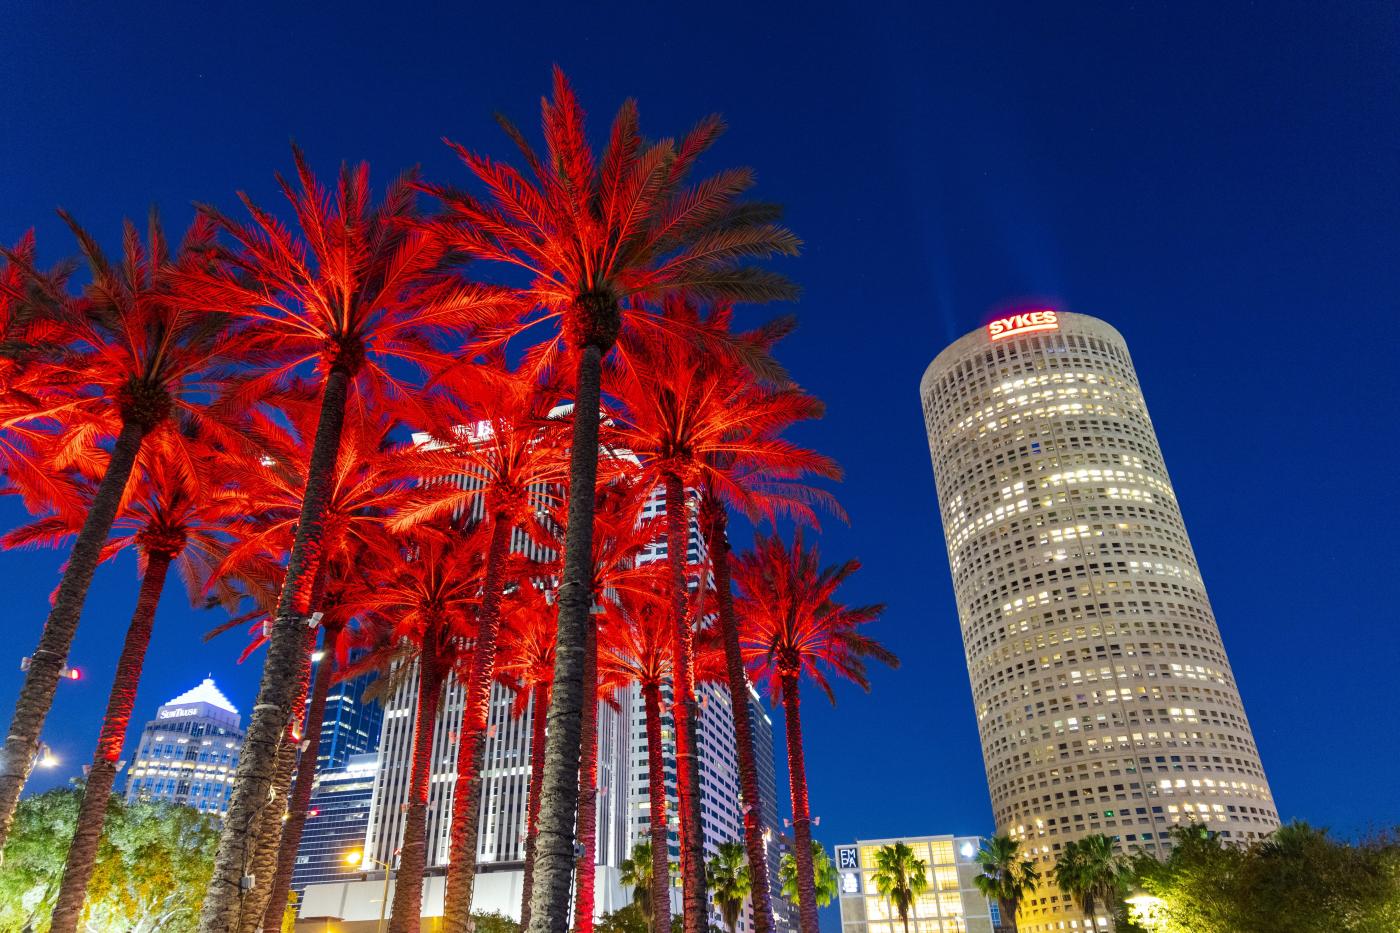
1024, 323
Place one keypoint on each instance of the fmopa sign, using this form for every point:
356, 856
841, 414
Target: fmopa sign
1024, 323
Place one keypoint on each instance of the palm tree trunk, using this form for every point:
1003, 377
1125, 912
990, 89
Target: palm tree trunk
413, 854
47, 661
1008, 914
539, 710
82, 851
587, 829
685, 713
801, 815
305, 780
284, 669
717, 543
554, 848
904, 916
656, 813
263, 864
471, 745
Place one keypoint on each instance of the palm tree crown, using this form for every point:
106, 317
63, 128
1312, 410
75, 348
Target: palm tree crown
900, 877
1007, 875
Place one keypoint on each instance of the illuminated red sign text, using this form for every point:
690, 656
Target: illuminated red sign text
1022, 324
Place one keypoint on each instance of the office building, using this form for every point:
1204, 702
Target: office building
189, 752
336, 820
1104, 698
950, 902
350, 726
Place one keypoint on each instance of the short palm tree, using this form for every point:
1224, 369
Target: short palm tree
636, 874
1090, 872
900, 877
793, 627
1007, 876
727, 877
599, 236
825, 884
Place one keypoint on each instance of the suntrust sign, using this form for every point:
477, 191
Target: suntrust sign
1024, 323
178, 711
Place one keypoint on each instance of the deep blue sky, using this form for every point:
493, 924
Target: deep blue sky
1219, 181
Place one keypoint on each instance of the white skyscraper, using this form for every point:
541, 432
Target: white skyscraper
189, 752
1104, 698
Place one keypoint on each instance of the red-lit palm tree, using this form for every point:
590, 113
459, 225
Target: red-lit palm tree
142, 358
792, 626
497, 460
356, 294
262, 507
36, 399
700, 420
526, 663
420, 598
170, 519
599, 235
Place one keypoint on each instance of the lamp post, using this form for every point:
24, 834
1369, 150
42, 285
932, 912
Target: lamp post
361, 858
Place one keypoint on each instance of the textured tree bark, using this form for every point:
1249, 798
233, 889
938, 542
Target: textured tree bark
538, 727
286, 666
303, 784
656, 813
47, 661
717, 543
685, 713
413, 855
263, 865
587, 828
82, 851
471, 745
801, 815
554, 846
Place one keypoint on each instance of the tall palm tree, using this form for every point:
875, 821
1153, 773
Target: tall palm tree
422, 598
1090, 872
142, 357
171, 520
637, 647
599, 236
498, 461
526, 663
358, 289
793, 626
1007, 875
729, 881
901, 877
687, 411
825, 881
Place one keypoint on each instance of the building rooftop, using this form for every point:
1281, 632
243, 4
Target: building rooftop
206, 692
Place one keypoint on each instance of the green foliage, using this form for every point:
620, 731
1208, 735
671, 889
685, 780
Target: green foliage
1007, 875
821, 867
493, 921
629, 919
153, 866
1299, 880
727, 877
1090, 872
900, 877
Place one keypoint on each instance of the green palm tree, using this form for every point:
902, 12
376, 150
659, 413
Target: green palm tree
1007, 875
727, 876
636, 874
900, 877
822, 869
1091, 873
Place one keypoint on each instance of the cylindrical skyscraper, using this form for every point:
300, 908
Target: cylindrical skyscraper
1104, 699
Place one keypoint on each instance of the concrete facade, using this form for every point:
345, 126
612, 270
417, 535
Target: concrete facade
1104, 699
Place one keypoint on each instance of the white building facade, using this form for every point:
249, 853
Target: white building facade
189, 752
1104, 699
950, 902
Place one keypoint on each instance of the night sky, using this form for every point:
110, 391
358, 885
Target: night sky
1219, 184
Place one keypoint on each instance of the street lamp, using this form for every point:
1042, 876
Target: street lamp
45, 758
1145, 908
361, 858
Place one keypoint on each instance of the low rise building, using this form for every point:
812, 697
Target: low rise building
950, 902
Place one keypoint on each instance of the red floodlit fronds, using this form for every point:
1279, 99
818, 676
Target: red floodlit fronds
790, 622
